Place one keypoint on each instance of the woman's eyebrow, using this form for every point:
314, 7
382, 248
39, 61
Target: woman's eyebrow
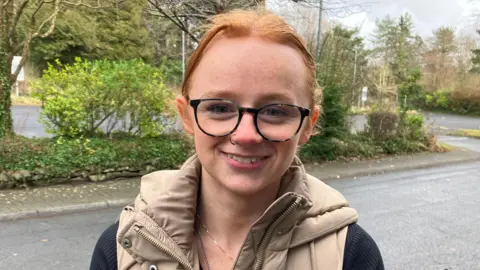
264, 97
277, 97
226, 94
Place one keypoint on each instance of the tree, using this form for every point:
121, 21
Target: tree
397, 45
112, 33
439, 59
397, 56
337, 61
385, 37
41, 17
476, 59
339, 73
331, 8
190, 15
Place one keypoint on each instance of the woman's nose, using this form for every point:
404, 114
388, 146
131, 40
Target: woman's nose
246, 132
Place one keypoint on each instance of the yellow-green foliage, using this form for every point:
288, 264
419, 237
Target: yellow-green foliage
474, 133
80, 98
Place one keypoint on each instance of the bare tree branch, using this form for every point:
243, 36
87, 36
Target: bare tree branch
4, 4
179, 23
18, 14
333, 8
189, 5
194, 12
52, 19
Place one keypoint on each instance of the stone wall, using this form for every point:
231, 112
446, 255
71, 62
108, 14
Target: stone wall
41, 177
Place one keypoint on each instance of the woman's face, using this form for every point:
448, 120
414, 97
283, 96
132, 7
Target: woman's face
250, 72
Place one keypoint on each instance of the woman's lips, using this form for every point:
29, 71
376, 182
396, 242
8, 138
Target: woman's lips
244, 161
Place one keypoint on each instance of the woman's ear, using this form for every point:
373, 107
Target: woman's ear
187, 119
309, 125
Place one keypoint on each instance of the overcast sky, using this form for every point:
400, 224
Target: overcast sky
426, 14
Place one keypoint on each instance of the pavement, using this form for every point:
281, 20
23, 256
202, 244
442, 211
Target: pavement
64, 199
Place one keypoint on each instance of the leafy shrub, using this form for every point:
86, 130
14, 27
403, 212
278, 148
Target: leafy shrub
455, 102
382, 124
86, 98
414, 127
60, 157
400, 145
439, 99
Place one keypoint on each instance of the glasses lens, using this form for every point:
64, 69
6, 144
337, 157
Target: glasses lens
217, 117
279, 122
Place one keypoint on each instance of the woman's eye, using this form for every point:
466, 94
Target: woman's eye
275, 112
220, 108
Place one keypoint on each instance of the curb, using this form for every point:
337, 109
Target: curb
62, 210
373, 171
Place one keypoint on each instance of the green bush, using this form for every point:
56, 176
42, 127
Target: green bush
414, 127
385, 137
453, 102
361, 146
382, 124
399, 145
87, 98
438, 100
62, 157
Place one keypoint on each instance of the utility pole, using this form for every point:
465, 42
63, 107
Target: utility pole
355, 66
183, 54
319, 30
354, 74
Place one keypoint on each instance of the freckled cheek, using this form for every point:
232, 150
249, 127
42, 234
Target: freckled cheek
203, 141
286, 148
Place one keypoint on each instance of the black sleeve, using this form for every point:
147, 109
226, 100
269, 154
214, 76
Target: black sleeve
361, 251
105, 253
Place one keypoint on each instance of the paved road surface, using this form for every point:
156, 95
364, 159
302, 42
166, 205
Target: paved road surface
423, 219
461, 142
26, 122
63, 242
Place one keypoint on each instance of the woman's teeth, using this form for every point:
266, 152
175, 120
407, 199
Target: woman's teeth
245, 160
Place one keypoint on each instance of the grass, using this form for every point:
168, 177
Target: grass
472, 133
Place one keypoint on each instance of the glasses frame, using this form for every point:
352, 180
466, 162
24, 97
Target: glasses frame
304, 112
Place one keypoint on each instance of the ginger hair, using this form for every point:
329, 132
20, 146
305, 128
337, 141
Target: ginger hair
257, 23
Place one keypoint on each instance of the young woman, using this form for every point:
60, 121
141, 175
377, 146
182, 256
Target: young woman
244, 200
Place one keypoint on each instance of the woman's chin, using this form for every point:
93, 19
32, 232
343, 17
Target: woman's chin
244, 185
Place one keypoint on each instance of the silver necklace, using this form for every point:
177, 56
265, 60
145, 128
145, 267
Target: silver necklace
204, 253
214, 241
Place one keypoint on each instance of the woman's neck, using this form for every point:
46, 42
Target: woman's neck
229, 216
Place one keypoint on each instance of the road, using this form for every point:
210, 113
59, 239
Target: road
26, 122
461, 142
421, 219
62, 242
